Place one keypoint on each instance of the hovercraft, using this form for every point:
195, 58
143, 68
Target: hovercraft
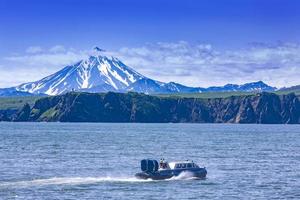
151, 169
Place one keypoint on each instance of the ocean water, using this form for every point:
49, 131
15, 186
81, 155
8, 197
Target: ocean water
99, 160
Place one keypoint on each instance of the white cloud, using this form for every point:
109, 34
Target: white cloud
48, 59
13, 76
57, 48
191, 64
28, 67
34, 49
202, 65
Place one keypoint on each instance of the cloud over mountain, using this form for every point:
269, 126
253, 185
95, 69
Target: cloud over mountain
201, 64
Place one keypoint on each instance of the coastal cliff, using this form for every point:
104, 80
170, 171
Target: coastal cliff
263, 108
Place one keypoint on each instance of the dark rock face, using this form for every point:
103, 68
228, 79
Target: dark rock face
23, 114
263, 108
7, 115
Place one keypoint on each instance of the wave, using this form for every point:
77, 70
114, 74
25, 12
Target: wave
84, 181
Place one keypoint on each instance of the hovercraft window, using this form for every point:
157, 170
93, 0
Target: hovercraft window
178, 166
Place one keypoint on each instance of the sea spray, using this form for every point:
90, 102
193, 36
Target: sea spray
184, 176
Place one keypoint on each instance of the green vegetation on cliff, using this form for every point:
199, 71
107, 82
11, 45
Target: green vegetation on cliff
17, 102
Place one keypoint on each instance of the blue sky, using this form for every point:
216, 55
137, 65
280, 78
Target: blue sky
238, 40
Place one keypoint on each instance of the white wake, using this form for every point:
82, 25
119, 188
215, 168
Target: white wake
84, 181
68, 181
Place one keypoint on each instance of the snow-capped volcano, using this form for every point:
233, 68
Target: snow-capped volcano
101, 72
98, 72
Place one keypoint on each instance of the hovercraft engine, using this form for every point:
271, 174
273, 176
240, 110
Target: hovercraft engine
149, 166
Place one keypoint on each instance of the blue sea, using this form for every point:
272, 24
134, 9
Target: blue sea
99, 160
